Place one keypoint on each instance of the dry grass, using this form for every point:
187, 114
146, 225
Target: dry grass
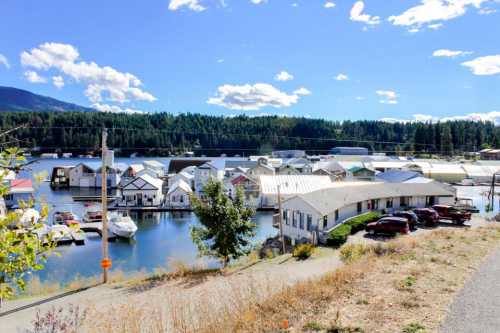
404, 285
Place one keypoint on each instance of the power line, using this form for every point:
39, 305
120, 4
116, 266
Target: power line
217, 134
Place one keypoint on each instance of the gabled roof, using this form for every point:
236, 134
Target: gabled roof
342, 194
397, 176
144, 182
176, 165
293, 184
180, 184
153, 164
94, 166
21, 186
358, 169
136, 167
241, 178
215, 164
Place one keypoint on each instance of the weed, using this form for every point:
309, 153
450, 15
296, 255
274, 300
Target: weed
413, 328
352, 252
303, 251
312, 326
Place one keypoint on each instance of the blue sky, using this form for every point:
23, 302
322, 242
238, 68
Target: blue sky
339, 59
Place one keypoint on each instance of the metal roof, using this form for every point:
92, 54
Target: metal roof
293, 184
328, 200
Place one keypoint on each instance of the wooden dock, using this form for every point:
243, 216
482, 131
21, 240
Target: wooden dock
96, 227
93, 198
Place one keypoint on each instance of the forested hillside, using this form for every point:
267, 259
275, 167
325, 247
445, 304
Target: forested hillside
165, 134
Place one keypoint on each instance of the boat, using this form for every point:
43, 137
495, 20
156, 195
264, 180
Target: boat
66, 218
60, 233
466, 204
121, 224
92, 216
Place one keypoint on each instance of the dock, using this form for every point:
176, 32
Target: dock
92, 198
96, 227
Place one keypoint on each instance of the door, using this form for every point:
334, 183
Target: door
139, 199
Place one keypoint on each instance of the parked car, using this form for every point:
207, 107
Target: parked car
389, 225
411, 217
427, 215
451, 213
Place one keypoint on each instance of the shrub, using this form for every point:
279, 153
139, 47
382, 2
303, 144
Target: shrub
338, 236
352, 252
413, 328
313, 326
359, 223
303, 251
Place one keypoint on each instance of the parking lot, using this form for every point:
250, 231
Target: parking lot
363, 237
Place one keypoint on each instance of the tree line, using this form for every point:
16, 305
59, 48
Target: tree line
167, 134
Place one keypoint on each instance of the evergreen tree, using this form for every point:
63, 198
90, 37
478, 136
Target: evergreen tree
226, 224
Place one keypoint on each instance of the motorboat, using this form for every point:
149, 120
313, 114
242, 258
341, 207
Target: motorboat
92, 215
67, 218
60, 233
121, 224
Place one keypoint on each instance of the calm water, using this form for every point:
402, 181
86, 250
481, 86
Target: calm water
161, 236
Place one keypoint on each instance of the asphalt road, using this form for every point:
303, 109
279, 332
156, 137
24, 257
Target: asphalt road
476, 309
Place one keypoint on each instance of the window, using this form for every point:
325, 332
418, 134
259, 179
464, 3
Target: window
336, 215
325, 222
286, 215
309, 222
360, 207
181, 198
403, 201
294, 219
389, 203
301, 220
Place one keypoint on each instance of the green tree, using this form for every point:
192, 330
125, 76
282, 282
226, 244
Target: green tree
226, 224
21, 250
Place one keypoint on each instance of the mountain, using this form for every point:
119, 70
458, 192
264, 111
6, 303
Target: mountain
13, 99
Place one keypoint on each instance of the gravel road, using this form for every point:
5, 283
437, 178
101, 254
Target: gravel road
476, 309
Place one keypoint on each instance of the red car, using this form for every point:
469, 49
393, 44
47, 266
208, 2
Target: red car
389, 225
451, 213
427, 215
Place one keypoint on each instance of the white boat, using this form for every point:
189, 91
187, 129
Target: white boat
92, 214
121, 224
60, 233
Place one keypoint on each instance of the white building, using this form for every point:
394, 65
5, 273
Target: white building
158, 167
143, 191
178, 195
88, 175
289, 186
184, 176
210, 170
310, 216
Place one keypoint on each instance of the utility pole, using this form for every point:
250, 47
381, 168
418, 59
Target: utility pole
281, 220
105, 262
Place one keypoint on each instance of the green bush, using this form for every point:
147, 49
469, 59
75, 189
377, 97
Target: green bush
303, 251
359, 223
338, 236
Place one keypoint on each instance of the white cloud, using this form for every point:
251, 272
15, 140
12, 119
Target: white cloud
283, 76
432, 12
58, 81
493, 116
258, 2
435, 26
302, 92
4, 61
359, 98
102, 82
387, 96
342, 77
115, 109
329, 4
358, 16
34, 77
488, 65
190, 4
220, 61
254, 97
487, 11
450, 53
